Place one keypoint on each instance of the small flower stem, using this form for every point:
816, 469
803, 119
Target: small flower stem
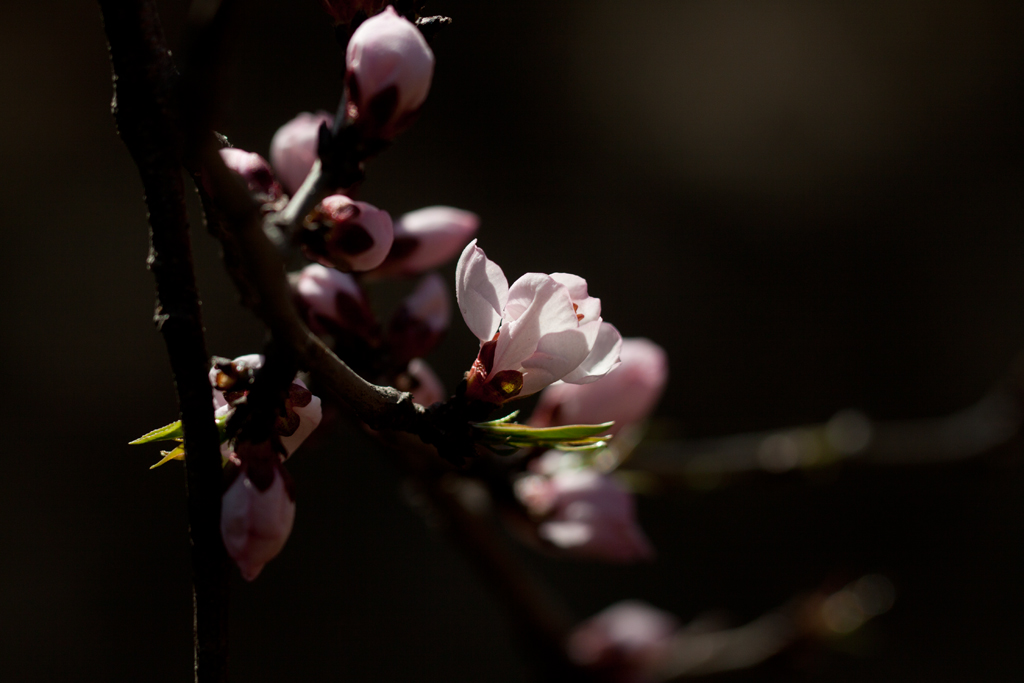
145, 78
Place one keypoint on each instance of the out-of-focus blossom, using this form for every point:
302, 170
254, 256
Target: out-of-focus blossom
428, 238
348, 235
627, 641
626, 395
334, 303
293, 148
258, 508
586, 514
343, 11
301, 413
388, 71
425, 385
541, 329
421, 320
255, 171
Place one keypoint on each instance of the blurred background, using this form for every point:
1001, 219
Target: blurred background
811, 205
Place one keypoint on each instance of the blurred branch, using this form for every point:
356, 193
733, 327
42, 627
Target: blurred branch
982, 428
144, 108
697, 650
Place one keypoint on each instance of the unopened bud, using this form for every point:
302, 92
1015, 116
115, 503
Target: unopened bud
255, 171
626, 395
334, 303
425, 385
585, 514
388, 71
348, 235
628, 641
421, 321
258, 508
293, 149
299, 415
428, 238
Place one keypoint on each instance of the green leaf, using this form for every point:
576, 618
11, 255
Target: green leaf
171, 432
177, 454
500, 421
546, 434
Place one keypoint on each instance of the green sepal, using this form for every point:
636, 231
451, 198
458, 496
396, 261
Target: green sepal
171, 432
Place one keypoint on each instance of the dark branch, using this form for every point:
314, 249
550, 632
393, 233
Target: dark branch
144, 108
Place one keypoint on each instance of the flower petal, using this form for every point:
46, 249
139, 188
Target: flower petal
481, 290
588, 308
537, 306
603, 357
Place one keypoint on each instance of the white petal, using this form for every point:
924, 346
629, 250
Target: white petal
603, 358
556, 355
589, 307
481, 290
537, 306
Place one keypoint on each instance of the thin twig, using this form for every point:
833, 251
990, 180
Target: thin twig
144, 109
850, 435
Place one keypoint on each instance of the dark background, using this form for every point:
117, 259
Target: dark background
810, 205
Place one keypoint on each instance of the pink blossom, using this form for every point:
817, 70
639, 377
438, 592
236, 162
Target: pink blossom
348, 235
258, 508
388, 71
428, 238
426, 388
628, 641
301, 413
255, 171
586, 514
541, 329
421, 321
626, 395
333, 302
293, 149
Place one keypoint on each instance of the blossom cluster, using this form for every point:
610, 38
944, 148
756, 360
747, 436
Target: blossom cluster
544, 333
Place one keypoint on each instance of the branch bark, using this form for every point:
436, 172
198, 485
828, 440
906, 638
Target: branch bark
144, 108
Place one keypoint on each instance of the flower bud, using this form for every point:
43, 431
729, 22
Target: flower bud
348, 235
388, 71
585, 514
255, 171
428, 238
293, 148
258, 508
628, 641
299, 415
425, 385
626, 395
421, 321
334, 303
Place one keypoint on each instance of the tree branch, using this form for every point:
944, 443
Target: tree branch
144, 79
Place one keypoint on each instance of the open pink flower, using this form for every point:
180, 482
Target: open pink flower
348, 235
388, 69
258, 508
627, 394
586, 514
541, 329
428, 238
628, 641
293, 149
302, 413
